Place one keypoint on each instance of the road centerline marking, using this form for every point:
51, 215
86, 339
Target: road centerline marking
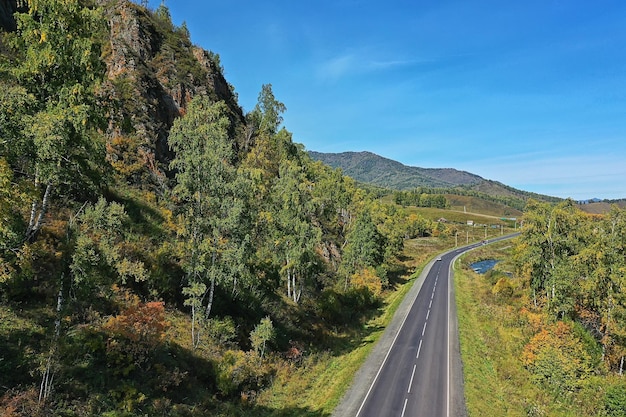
411, 382
406, 400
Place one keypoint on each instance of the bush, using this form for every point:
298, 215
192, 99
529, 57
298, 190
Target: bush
615, 400
16, 403
136, 332
557, 358
241, 372
367, 278
262, 334
344, 308
503, 288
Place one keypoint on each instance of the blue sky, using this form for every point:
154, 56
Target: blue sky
529, 93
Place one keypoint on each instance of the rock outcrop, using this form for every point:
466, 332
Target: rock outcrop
152, 72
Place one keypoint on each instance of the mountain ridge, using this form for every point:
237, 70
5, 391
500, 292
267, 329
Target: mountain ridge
360, 165
370, 168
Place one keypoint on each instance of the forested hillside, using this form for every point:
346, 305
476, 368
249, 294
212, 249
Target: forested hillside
373, 169
408, 181
161, 252
165, 253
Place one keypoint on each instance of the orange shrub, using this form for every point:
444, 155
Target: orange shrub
135, 333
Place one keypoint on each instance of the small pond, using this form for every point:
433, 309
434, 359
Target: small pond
483, 266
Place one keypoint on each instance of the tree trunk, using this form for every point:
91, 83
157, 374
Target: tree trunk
194, 336
209, 305
48, 375
288, 283
296, 296
36, 219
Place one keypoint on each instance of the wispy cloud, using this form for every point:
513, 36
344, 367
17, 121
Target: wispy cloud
354, 63
384, 65
337, 67
565, 176
365, 62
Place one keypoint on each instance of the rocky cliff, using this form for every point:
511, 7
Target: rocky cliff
153, 71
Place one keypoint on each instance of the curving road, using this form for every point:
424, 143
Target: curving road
415, 370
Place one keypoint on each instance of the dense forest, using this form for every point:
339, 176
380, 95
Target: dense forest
172, 267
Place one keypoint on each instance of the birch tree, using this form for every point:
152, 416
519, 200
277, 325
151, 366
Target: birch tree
550, 237
58, 67
212, 198
363, 248
295, 237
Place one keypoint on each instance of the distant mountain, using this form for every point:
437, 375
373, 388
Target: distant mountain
369, 168
597, 206
373, 169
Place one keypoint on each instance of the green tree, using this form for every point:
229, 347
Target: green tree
551, 236
212, 204
601, 266
268, 111
578, 263
58, 69
99, 256
262, 334
264, 119
363, 248
294, 235
10, 219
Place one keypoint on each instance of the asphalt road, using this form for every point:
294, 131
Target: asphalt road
415, 369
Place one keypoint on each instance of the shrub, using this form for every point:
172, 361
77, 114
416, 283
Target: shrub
367, 278
263, 332
503, 288
557, 358
16, 403
615, 400
135, 333
241, 372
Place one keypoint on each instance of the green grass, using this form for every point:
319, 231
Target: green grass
479, 205
22, 338
496, 384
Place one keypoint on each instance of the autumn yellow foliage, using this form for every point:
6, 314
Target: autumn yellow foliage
367, 278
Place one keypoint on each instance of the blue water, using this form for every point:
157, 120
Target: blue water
483, 266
